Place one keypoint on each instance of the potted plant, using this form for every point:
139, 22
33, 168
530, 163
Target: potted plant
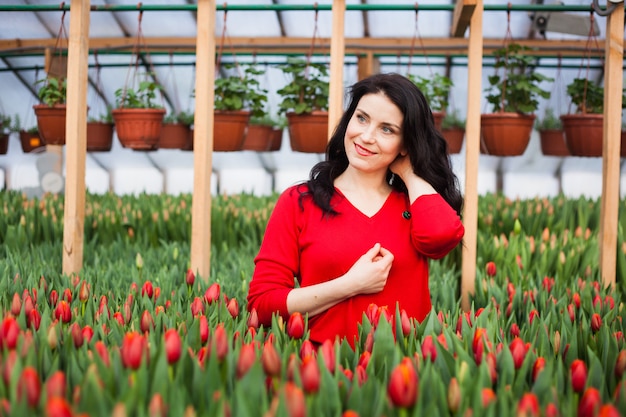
305, 104
583, 128
138, 118
100, 132
176, 131
51, 111
29, 138
453, 131
5, 129
237, 98
551, 134
436, 89
264, 134
514, 97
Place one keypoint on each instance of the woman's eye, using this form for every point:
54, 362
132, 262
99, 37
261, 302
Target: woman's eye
360, 118
387, 129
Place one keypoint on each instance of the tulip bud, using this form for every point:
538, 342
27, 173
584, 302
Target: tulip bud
491, 269
34, 319
590, 403
517, 227
233, 307
173, 345
212, 294
63, 312
157, 407
9, 333
596, 322
147, 323
403, 384
515, 332
429, 350
54, 298
134, 350
56, 385
295, 325
190, 278
83, 292
492, 364
16, 305
29, 386
246, 358
270, 360
139, 261
518, 351
578, 375
147, 289
77, 335
528, 405
197, 306
220, 340
487, 396
327, 350
294, 398
67, 295
454, 395
102, 351
620, 364
310, 375
53, 338
204, 329
361, 374
58, 407
538, 366
253, 319
478, 344
609, 410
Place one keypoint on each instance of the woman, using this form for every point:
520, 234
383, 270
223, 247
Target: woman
362, 229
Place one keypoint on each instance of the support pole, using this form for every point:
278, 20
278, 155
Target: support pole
337, 52
76, 137
472, 153
611, 137
203, 141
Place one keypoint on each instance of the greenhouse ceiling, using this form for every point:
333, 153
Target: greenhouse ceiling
404, 36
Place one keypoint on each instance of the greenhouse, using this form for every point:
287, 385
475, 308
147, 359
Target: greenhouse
154, 272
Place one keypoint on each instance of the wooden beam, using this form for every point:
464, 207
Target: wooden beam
337, 50
463, 11
472, 153
203, 141
293, 45
367, 65
613, 84
76, 137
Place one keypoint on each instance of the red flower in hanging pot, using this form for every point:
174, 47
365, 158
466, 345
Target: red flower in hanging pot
578, 375
590, 403
212, 294
134, 350
29, 386
403, 384
247, 358
56, 385
310, 375
295, 325
9, 332
173, 345
63, 312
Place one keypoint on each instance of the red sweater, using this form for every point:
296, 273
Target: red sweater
301, 242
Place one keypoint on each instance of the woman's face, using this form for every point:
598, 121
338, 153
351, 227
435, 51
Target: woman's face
374, 134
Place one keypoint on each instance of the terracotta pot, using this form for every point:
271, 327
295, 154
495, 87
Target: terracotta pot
258, 138
4, 143
506, 134
99, 136
454, 136
30, 141
277, 140
139, 129
51, 123
229, 130
438, 118
583, 133
308, 132
553, 142
175, 136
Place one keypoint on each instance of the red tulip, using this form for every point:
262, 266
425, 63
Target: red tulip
29, 385
118, 317
34, 319
212, 293
270, 360
16, 305
596, 322
83, 292
538, 366
220, 340
576, 299
463, 317
173, 345
253, 319
307, 349
528, 405
551, 411
361, 374
578, 375
590, 403
571, 312
488, 396
478, 344
406, 323
364, 359
620, 364
294, 398
147, 322
233, 307
9, 332
403, 384
491, 269
515, 330
373, 314
547, 284
197, 306
54, 298
204, 329
295, 325
147, 289
490, 359
87, 333
77, 335
327, 350
56, 385
67, 295
247, 358
190, 278
63, 312
310, 375
454, 395
58, 407
429, 350
350, 413
609, 410
608, 300
157, 407
532, 315
134, 350
103, 352
518, 351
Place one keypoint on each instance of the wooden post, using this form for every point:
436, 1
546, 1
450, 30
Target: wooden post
367, 65
337, 52
613, 84
203, 141
472, 153
76, 137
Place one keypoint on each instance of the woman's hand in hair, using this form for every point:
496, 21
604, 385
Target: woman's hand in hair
415, 184
402, 167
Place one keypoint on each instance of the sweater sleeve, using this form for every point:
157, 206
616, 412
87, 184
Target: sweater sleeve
277, 263
435, 227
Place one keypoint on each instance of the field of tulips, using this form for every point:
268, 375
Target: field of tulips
137, 334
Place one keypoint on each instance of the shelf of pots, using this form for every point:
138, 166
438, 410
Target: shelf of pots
514, 97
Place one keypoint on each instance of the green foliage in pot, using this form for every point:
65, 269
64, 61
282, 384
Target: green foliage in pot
241, 92
435, 88
106, 117
5, 124
307, 89
53, 91
452, 120
549, 121
587, 96
182, 117
142, 97
517, 90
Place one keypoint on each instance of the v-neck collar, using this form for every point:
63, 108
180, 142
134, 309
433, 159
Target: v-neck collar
380, 209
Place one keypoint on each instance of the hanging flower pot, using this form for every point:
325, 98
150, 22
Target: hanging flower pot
454, 136
506, 134
277, 139
308, 132
51, 123
175, 136
229, 130
583, 133
99, 136
139, 129
4, 143
258, 138
30, 140
553, 142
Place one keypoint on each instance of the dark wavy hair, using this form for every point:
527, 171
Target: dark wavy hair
426, 147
